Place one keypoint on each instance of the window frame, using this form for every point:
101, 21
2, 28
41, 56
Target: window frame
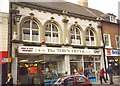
52, 33
117, 41
109, 40
75, 35
89, 36
31, 29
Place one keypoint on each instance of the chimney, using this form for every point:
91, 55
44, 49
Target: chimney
83, 3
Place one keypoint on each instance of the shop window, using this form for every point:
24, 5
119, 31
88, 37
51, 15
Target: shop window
107, 40
117, 41
30, 31
76, 35
51, 33
90, 37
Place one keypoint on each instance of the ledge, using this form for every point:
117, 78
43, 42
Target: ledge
53, 45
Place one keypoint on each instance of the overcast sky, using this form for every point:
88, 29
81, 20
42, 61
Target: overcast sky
106, 6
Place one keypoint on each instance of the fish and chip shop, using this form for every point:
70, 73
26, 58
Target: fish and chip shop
31, 61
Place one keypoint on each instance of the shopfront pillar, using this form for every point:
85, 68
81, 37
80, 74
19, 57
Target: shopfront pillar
67, 64
14, 63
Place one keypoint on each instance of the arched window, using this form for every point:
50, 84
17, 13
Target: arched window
51, 33
30, 31
75, 34
90, 37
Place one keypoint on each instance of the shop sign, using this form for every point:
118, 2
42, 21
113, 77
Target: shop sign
112, 52
6, 59
51, 50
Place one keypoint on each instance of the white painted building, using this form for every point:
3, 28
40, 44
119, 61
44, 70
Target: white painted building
55, 37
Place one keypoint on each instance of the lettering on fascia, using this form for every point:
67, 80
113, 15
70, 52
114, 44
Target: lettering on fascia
51, 50
27, 49
117, 52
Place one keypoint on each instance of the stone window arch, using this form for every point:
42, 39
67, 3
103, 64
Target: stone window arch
30, 29
90, 37
52, 32
76, 35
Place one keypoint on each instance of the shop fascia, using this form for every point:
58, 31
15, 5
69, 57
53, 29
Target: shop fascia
112, 52
51, 50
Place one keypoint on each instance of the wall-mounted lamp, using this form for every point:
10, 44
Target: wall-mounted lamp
16, 16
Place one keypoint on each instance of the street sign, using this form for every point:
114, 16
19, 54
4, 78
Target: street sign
6, 59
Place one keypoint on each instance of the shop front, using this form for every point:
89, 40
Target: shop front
41, 64
113, 58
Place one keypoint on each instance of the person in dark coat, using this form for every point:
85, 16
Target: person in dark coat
110, 73
9, 80
86, 72
102, 72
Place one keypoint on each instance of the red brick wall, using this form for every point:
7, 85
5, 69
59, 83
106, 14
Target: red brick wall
112, 29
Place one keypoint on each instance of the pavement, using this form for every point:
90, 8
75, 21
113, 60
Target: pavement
116, 80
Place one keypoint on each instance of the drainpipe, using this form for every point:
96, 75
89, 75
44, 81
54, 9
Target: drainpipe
10, 36
104, 50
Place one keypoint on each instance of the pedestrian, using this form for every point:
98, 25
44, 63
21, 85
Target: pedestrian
66, 73
86, 72
110, 73
102, 72
9, 80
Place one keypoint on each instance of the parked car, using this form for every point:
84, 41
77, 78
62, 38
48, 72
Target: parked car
72, 80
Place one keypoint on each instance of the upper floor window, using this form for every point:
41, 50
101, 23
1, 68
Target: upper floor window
90, 37
75, 34
30, 31
117, 41
51, 33
107, 40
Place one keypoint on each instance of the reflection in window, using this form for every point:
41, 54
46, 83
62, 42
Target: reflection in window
80, 79
90, 37
75, 34
51, 33
30, 31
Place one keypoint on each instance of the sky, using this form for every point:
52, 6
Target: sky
106, 6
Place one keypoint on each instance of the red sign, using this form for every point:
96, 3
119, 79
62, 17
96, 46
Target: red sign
33, 69
3, 54
108, 52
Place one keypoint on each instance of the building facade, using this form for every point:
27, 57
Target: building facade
111, 33
3, 45
51, 37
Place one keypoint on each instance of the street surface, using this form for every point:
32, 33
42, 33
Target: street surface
116, 81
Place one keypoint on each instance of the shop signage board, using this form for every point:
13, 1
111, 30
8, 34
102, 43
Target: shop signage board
51, 50
111, 52
6, 59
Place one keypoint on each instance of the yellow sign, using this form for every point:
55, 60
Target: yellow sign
9, 60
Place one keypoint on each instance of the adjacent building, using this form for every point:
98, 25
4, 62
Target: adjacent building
3, 45
111, 33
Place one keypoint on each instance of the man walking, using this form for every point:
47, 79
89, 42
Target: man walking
110, 73
102, 72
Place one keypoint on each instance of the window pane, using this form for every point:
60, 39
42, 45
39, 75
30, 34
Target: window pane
34, 25
91, 33
92, 38
26, 34
26, 24
35, 35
